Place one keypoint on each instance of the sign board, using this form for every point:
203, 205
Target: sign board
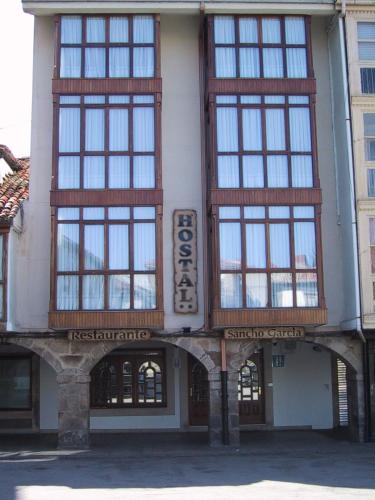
112, 335
279, 332
185, 261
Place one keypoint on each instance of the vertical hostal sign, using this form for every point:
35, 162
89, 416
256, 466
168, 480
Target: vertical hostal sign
185, 261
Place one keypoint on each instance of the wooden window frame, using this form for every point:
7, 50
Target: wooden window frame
20, 357
137, 358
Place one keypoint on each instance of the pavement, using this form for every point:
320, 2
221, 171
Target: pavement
283, 465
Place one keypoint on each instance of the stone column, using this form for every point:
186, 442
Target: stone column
356, 406
214, 417
233, 409
74, 409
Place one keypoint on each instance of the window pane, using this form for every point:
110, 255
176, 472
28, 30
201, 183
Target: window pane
118, 246
256, 290
68, 214
144, 172
368, 80
144, 213
296, 63
143, 29
229, 212
69, 130
94, 63
279, 212
144, 291
15, 383
94, 247
252, 129
366, 51
271, 30
303, 212
307, 290
228, 172
304, 245
274, 99
93, 172
248, 30
225, 62
118, 29
70, 99
119, 62
94, 99
122, 213
281, 290
369, 127
143, 99
119, 172
227, 129
371, 182
143, 62
224, 29
277, 171
254, 212
226, 99
253, 175
94, 140
144, 247
68, 172
93, 292
275, 129
255, 246
230, 245
300, 133
273, 63
295, 31
119, 99
143, 130
249, 63
302, 171
231, 290
119, 291
67, 293
67, 247
95, 30
366, 31
71, 29
118, 129
279, 245
298, 99
93, 213
70, 62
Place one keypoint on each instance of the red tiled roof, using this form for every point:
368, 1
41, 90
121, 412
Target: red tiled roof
14, 188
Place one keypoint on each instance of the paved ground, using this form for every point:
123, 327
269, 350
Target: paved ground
269, 466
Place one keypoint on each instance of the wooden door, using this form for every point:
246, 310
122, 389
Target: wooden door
198, 392
251, 390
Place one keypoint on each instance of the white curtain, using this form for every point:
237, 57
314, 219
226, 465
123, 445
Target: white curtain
118, 246
144, 247
249, 63
225, 62
143, 130
228, 172
224, 29
279, 212
119, 172
143, 62
255, 246
67, 247
144, 291
273, 63
248, 30
118, 29
252, 171
119, 62
94, 63
231, 290
68, 175
95, 30
275, 129
94, 247
143, 29
295, 30
70, 62
230, 245
303, 212
93, 172
296, 63
279, 245
143, 172
71, 29
119, 291
67, 293
281, 290
256, 290
277, 171
144, 213
304, 245
227, 129
271, 30
254, 212
118, 129
302, 171
307, 290
69, 130
94, 138
93, 213
119, 213
93, 292
252, 129
300, 132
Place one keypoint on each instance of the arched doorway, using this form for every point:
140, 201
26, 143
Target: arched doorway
251, 390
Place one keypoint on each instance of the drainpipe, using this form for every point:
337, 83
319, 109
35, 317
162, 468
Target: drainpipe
224, 392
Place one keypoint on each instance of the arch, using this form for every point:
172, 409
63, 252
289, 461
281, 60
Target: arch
41, 348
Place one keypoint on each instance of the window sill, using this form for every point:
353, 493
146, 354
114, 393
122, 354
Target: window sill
106, 319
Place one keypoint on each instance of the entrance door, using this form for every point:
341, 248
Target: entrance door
251, 391
198, 392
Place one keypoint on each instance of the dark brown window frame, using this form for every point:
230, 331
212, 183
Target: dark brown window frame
137, 358
30, 359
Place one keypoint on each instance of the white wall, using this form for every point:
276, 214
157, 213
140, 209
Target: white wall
48, 397
302, 389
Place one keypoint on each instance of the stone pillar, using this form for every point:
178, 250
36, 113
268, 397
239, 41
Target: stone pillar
356, 405
74, 409
233, 409
214, 417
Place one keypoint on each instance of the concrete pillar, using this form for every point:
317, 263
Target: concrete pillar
233, 409
214, 416
74, 409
